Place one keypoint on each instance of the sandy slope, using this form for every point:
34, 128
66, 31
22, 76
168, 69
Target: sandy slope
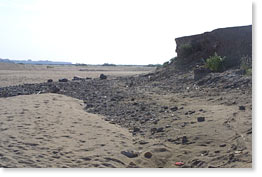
52, 130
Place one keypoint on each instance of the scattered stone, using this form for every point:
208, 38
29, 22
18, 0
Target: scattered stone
148, 155
174, 108
54, 89
190, 112
77, 78
132, 165
201, 119
63, 80
200, 73
242, 108
184, 140
168, 126
161, 129
102, 76
136, 129
50, 80
197, 163
142, 142
165, 107
222, 145
129, 154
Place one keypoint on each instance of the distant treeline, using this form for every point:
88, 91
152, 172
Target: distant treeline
41, 62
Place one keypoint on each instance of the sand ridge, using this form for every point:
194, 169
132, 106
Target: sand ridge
51, 130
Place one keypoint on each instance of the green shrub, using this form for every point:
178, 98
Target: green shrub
215, 63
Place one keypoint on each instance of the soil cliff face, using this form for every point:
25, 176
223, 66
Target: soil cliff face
233, 43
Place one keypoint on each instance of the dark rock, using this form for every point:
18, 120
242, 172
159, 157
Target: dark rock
50, 80
148, 155
129, 154
102, 76
161, 129
201, 119
175, 108
142, 142
222, 145
88, 78
63, 80
54, 89
184, 140
153, 130
136, 129
242, 108
77, 78
165, 107
200, 73
190, 112
132, 165
197, 163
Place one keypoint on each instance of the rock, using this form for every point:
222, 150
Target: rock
132, 165
175, 108
136, 129
129, 154
77, 78
161, 129
88, 78
222, 145
148, 155
201, 119
184, 140
63, 80
50, 80
102, 76
197, 163
242, 108
190, 112
168, 126
165, 107
142, 142
54, 89
200, 73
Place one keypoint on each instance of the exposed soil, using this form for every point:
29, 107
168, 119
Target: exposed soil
204, 123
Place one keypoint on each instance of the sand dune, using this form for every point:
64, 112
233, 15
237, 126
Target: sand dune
51, 130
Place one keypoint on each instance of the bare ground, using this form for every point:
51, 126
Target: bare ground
175, 119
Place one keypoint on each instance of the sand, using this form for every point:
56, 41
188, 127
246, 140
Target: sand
52, 130
15, 74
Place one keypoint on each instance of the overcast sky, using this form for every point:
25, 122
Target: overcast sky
110, 31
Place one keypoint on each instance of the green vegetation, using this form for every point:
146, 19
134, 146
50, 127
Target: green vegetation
108, 64
215, 63
246, 65
49, 67
153, 65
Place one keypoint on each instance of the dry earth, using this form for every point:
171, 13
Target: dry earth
15, 74
54, 130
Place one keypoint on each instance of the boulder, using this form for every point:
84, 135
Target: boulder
102, 76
